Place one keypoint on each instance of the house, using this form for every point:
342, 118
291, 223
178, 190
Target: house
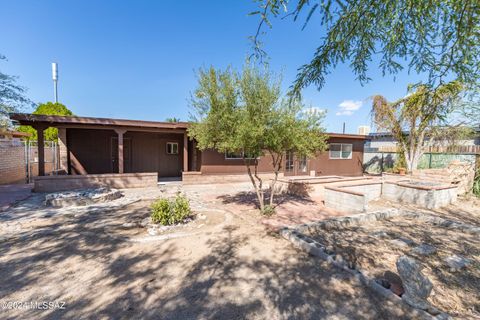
101, 150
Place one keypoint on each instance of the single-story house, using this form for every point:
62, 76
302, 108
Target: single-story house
91, 147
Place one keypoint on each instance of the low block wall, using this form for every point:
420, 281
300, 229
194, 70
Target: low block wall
196, 177
113, 180
430, 198
345, 200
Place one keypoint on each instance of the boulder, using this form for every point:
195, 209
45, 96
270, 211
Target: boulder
416, 285
424, 250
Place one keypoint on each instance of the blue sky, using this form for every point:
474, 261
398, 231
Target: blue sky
137, 59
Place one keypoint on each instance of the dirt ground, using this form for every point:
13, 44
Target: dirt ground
99, 262
375, 248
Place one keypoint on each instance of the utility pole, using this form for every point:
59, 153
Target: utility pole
55, 80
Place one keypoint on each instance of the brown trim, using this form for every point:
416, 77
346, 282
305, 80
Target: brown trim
29, 119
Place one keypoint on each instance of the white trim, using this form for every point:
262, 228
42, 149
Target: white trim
341, 151
171, 143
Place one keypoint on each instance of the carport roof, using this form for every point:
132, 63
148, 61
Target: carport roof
66, 121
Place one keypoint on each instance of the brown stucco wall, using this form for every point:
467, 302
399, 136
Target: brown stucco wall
323, 165
213, 162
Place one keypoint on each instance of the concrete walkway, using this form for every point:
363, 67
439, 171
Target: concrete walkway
10, 193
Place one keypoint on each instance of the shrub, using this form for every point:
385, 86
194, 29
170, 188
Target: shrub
170, 211
268, 211
476, 183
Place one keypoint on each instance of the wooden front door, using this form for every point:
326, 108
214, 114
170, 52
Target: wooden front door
127, 155
295, 165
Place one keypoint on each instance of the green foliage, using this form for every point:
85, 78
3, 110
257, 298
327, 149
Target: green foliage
400, 163
420, 119
12, 97
244, 111
174, 120
168, 212
268, 210
438, 37
49, 108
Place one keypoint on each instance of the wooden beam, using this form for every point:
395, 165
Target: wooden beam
120, 133
41, 150
185, 152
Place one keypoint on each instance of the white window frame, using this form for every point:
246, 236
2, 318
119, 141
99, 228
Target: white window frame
341, 151
172, 144
239, 158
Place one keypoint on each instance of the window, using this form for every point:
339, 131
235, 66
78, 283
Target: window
340, 151
172, 147
289, 162
237, 155
302, 164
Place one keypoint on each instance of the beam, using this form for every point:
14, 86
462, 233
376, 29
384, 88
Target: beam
41, 150
120, 133
185, 152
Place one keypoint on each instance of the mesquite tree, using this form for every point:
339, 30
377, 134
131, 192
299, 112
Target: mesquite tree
419, 119
439, 37
244, 112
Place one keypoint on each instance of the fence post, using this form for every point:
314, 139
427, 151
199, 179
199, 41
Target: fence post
430, 161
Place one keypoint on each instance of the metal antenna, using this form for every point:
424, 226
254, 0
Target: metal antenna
55, 80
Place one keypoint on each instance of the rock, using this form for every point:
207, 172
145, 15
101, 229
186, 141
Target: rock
380, 234
128, 225
145, 222
417, 286
424, 250
457, 263
396, 285
401, 242
152, 231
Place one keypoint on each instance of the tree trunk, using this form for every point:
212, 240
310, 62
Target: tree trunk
277, 164
258, 189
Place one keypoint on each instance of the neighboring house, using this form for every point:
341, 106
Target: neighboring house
100, 145
384, 141
12, 136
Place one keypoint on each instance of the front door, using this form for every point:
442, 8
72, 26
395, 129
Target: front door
295, 165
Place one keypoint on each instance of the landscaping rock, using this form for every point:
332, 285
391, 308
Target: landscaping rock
81, 197
457, 263
417, 286
152, 231
424, 250
396, 285
401, 242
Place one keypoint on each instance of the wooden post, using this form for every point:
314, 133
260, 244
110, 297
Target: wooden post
185, 152
194, 155
41, 150
120, 133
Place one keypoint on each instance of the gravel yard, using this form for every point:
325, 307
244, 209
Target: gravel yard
451, 257
101, 261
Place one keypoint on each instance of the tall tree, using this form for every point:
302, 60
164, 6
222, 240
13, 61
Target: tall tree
173, 120
419, 119
52, 109
244, 113
12, 97
438, 37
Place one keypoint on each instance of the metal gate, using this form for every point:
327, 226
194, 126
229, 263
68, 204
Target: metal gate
52, 163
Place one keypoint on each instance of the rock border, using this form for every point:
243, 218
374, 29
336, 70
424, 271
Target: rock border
299, 240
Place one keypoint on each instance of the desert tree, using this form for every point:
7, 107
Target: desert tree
48, 108
12, 97
420, 119
244, 112
440, 38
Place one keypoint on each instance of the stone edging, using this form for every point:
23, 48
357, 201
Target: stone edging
299, 240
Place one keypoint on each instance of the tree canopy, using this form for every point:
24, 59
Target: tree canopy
440, 37
52, 109
12, 97
245, 113
420, 119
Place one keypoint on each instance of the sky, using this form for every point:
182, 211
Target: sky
138, 59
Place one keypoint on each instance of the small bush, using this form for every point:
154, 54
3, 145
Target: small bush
170, 211
268, 210
476, 184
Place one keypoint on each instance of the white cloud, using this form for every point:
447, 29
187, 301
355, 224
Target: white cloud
348, 107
